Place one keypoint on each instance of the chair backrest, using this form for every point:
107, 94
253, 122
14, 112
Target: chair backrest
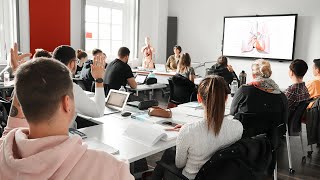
245, 159
294, 121
4, 111
209, 71
181, 89
80, 82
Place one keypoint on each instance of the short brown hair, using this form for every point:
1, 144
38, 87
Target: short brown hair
123, 52
96, 51
299, 67
40, 84
213, 91
42, 53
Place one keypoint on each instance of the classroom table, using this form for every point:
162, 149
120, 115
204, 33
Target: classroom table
144, 87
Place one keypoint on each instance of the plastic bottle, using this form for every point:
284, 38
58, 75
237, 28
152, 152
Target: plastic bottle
234, 87
122, 89
6, 78
243, 78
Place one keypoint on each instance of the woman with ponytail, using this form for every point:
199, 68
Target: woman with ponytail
82, 58
198, 141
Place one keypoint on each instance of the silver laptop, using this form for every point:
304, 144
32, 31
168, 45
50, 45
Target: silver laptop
116, 101
161, 67
140, 79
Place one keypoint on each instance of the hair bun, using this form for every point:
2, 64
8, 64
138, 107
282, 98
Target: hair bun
265, 70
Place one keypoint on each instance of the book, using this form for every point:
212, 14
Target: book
149, 134
98, 145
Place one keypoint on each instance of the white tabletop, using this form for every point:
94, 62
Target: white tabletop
144, 87
111, 127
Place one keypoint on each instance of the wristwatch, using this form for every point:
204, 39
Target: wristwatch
99, 80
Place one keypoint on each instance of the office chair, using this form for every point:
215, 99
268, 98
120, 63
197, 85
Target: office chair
80, 82
4, 113
313, 124
238, 161
268, 123
182, 90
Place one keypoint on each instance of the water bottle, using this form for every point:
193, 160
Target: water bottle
122, 89
243, 78
6, 78
234, 87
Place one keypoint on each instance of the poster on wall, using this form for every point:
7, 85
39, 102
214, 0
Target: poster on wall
268, 36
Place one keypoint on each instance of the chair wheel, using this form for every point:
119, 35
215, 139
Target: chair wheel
310, 154
291, 171
304, 160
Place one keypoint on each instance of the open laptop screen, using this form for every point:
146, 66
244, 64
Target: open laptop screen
116, 99
140, 79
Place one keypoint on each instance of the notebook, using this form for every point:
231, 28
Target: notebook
116, 101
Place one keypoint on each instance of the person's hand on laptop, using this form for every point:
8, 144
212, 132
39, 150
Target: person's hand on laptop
17, 59
97, 68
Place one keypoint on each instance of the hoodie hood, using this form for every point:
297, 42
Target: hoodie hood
42, 158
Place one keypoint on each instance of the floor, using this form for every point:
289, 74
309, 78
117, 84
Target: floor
310, 170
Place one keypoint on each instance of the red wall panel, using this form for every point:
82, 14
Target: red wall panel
49, 24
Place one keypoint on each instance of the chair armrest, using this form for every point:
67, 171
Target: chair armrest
173, 169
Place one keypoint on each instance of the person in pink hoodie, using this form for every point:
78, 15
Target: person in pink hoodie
44, 149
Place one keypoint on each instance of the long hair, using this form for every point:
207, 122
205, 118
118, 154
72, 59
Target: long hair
213, 92
184, 63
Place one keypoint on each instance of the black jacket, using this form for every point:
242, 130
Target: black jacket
222, 71
247, 159
313, 123
249, 99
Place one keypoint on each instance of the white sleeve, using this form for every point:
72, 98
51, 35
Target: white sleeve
182, 147
86, 106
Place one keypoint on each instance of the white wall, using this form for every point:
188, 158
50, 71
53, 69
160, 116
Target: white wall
24, 26
200, 29
75, 26
153, 23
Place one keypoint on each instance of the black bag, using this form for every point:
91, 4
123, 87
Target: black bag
4, 112
151, 80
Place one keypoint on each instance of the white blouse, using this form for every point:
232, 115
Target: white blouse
196, 144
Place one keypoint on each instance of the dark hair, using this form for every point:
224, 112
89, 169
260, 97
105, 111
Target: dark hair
184, 63
42, 53
96, 51
299, 67
123, 52
64, 54
81, 54
213, 91
223, 60
178, 47
40, 85
317, 63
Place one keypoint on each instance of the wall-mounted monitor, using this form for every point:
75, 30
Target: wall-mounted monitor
267, 36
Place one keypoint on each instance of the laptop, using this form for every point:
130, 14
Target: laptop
116, 101
161, 67
140, 79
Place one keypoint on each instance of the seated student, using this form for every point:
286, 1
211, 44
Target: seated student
119, 73
221, 68
84, 105
260, 96
314, 85
86, 70
174, 59
198, 141
298, 91
82, 58
184, 67
42, 53
45, 150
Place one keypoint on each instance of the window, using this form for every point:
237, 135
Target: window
109, 25
8, 28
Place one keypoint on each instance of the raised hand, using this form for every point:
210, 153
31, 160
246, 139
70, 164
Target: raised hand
16, 59
97, 68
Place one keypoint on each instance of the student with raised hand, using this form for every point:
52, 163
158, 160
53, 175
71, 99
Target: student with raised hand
298, 91
45, 150
174, 59
198, 141
83, 104
184, 67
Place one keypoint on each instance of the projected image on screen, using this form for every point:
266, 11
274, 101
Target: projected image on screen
259, 37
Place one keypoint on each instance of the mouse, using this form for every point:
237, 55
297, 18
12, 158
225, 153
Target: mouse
126, 114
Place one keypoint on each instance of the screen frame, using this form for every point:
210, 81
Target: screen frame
119, 92
272, 15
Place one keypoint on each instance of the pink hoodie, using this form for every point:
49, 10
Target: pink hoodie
55, 157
